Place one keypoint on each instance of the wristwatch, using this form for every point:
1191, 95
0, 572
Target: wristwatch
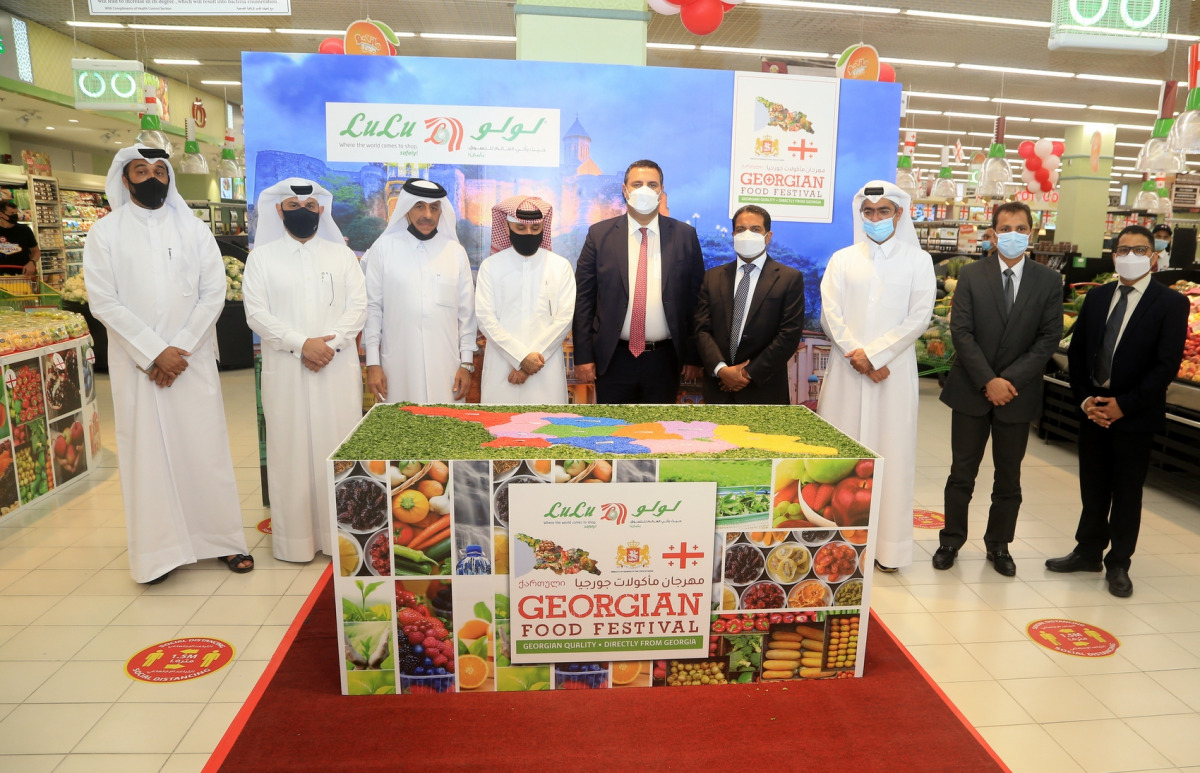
468, 367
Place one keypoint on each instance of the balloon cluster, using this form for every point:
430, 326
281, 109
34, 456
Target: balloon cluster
701, 17
366, 36
1042, 160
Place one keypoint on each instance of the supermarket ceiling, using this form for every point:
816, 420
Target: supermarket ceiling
952, 52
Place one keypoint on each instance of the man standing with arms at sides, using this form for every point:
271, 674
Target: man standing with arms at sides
156, 280
1125, 350
19, 252
876, 300
750, 319
420, 332
306, 298
525, 300
638, 279
1006, 321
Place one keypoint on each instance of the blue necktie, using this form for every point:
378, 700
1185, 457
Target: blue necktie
739, 310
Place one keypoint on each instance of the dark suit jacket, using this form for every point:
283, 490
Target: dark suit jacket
990, 343
1146, 359
774, 326
603, 288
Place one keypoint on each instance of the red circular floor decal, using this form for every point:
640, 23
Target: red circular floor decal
265, 525
928, 519
1073, 638
179, 660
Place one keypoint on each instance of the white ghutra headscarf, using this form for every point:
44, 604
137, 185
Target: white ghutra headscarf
118, 194
415, 189
906, 232
270, 224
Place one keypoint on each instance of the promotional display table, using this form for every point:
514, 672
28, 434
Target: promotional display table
50, 431
718, 544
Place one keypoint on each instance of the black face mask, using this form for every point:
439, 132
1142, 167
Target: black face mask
525, 244
150, 193
412, 229
301, 223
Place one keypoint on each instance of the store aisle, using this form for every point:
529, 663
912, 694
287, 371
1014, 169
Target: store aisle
70, 617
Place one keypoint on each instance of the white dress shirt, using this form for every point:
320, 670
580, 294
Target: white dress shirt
656, 315
1018, 271
1131, 302
738, 277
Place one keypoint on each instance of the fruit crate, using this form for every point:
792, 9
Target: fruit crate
19, 294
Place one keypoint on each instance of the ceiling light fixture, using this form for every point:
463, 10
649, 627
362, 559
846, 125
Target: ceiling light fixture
915, 62
477, 38
1016, 70
1002, 21
191, 62
1115, 109
49, 128
801, 4
1129, 144
673, 46
186, 28
222, 83
1038, 103
936, 95
1058, 121
1135, 127
1087, 76
73, 120
915, 111
765, 51
104, 25
985, 116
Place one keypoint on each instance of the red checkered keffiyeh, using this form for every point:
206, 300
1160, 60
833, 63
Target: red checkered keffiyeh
520, 209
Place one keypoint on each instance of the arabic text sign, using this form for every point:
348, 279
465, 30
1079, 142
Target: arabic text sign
784, 145
1072, 637
441, 134
615, 572
191, 7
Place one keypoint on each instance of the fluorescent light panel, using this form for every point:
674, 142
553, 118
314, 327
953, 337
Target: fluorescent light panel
1038, 103
976, 18
673, 46
1114, 109
1135, 127
915, 111
1016, 70
287, 31
478, 38
222, 83
954, 114
1087, 76
936, 95
106, 25
178, 61
800, 4
765, 51
915, 62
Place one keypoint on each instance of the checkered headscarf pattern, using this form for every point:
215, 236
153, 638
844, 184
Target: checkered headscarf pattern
528, 205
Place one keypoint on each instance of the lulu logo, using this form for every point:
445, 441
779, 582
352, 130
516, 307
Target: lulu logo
445, 131
619, 513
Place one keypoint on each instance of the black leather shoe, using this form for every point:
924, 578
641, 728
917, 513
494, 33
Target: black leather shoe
944, 557
885, 569
1119, 583
1002, 562
1073, 562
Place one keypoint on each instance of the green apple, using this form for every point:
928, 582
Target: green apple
829, 470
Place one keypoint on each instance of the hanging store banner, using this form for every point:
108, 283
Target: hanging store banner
615, 572
108, 84
1110, 25
190, 7
442, 134
784, 145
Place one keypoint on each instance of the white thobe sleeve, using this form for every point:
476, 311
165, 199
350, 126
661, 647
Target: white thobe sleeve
257, 299
137, 338
833, 311
373, 330
921, 295
499, 339
351, 321
210, 294
562, 311
468, 328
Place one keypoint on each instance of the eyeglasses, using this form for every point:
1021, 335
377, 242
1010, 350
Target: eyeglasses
1141, 252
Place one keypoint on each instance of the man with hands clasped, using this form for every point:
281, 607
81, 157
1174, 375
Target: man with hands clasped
1006, 322
1126, 347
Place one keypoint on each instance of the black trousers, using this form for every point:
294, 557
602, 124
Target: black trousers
1112, 470
652, 378
968, 440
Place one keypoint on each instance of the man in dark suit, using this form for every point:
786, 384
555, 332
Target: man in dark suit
1126, 347
759, 303
1006, 322
637, 282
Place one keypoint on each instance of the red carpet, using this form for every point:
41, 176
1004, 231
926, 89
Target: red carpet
892, 719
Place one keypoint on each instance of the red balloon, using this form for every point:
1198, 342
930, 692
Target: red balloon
1059, 148
1026, 150
391, 49
886, 73
332, 46
702, 17
1042, 176
1033, 163
726, 7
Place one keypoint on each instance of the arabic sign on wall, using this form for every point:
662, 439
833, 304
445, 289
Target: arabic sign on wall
784, 145
191, 7
615, 572
442, 134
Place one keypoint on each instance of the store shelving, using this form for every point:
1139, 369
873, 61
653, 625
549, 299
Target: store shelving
47, 225
81, 209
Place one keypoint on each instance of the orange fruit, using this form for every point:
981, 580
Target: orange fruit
473, 629
624, 672
472, 671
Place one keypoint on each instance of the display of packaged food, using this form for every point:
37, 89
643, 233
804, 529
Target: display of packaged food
21, 331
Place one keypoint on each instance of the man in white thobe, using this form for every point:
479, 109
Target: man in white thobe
306, 298
525, 301
156, 280
420, 332
876, 300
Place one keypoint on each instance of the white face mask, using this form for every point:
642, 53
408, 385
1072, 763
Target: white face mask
1130, 267
643, 200
749, 244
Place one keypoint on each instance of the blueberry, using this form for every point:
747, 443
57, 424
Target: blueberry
418, 671
418, 649
440, 671
429, 662
574, 667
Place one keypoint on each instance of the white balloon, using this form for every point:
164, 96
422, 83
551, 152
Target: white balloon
1051, 162
1027, 176
1053, 177
663, 7
1035, 187
1043, 148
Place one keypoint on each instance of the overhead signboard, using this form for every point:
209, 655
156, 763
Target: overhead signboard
1110, 25
190, 7
108, 84
15, 62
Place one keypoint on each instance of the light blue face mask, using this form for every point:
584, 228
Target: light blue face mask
986, 245
879, 232
1160, 245
1012, 244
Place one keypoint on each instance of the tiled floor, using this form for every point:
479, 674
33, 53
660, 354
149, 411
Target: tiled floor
70, 616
